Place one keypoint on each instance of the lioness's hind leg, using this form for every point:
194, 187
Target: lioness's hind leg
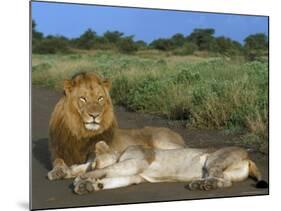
238, 171
221, 159
216, 163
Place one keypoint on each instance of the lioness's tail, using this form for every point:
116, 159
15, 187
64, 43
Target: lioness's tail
255, 173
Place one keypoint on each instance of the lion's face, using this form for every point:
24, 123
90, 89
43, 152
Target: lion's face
89, 96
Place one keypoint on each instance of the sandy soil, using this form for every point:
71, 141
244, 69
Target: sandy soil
56, 194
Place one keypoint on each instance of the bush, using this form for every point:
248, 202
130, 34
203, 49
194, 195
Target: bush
86, 40
253, 55
145, 94
51, 45
186, 76
162, 44
120, 89
127, 45
41, 67
187, 49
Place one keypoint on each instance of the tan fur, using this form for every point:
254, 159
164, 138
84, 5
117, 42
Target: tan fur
74, 128
254, 171
203, 168
69, 139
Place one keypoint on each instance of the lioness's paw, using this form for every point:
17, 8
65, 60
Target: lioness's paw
210, 184
58, 172
195, 185
83, 187
207, 184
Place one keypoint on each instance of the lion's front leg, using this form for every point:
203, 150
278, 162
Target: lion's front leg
60, 170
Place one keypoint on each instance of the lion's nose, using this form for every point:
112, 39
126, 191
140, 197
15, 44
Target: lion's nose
94, 114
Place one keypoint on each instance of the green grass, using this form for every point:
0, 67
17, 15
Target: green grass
203, 92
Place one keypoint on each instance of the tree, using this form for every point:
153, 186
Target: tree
187, 49
86, 40
35, 34
127, 45
203, 38
227, 46
178, 40
256, 42
51, 45
37, 37
113, 36
256, 46
162, 44
141, 44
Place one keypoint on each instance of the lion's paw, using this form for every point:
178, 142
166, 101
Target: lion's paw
57, 173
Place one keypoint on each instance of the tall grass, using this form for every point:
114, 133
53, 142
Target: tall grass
205, 93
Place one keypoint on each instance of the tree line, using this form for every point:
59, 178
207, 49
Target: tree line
254, 47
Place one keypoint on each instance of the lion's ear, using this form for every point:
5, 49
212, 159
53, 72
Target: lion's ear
107, 83
101, 148
67, 86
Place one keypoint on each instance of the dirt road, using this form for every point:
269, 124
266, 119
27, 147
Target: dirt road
55, 194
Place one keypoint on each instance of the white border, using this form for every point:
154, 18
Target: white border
14, 116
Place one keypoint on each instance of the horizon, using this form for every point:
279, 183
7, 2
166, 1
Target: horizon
143, 24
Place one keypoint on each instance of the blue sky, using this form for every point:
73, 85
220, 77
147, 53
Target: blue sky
71, 20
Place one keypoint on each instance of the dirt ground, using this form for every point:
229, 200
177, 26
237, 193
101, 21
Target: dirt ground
57, 194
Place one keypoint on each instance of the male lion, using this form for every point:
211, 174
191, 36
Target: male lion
84, 116
204, 169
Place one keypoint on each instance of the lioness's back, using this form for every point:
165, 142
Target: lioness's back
175, 165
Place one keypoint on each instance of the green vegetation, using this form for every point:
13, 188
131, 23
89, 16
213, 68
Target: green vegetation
200, 40
201, 92
201, 80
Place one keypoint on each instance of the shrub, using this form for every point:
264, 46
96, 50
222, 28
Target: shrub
120, 89
41, 67
187, 49
145, 94
86, 40
51, 45
187, 76
127, 45
162, 44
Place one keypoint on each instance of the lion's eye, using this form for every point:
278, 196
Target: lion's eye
100, 99
83, 99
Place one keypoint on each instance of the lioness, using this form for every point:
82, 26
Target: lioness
84, 116
204, 169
